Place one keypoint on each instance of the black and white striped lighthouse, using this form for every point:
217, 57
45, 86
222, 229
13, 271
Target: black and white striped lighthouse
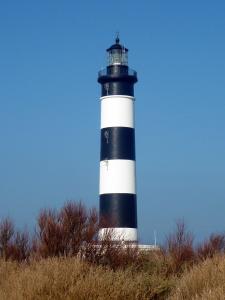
118, 203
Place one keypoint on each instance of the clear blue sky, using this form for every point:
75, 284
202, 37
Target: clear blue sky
50, 52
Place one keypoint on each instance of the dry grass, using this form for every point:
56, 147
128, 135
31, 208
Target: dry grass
70, 278
205, 281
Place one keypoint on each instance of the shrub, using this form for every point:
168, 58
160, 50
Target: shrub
79, 226
214, 245
73, 231
20, 248
179, 251
49, 239
13, 245
108, 252
65, 232
6, 234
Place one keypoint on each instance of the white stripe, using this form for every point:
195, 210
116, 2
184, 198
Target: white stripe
119, 234
117, 176
117, 111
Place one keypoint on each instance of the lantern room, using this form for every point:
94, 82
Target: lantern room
117, 54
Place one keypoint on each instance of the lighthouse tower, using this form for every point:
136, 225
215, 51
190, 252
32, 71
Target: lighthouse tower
118, 206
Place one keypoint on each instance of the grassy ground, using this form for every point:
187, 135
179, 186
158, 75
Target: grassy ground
205, 281
70, 278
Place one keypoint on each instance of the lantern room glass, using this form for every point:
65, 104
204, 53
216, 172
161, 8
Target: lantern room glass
117, 57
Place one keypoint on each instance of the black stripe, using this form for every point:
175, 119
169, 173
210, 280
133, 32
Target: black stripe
117, 80
117, 143
118, 210
117, 88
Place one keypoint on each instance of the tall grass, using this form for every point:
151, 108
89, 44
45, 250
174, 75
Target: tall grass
205, 281
71, 278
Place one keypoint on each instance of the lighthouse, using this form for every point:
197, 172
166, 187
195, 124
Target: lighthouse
117, 186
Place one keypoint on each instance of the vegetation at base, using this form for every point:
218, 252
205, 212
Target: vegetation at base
64, 260
205, 281
71, 278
